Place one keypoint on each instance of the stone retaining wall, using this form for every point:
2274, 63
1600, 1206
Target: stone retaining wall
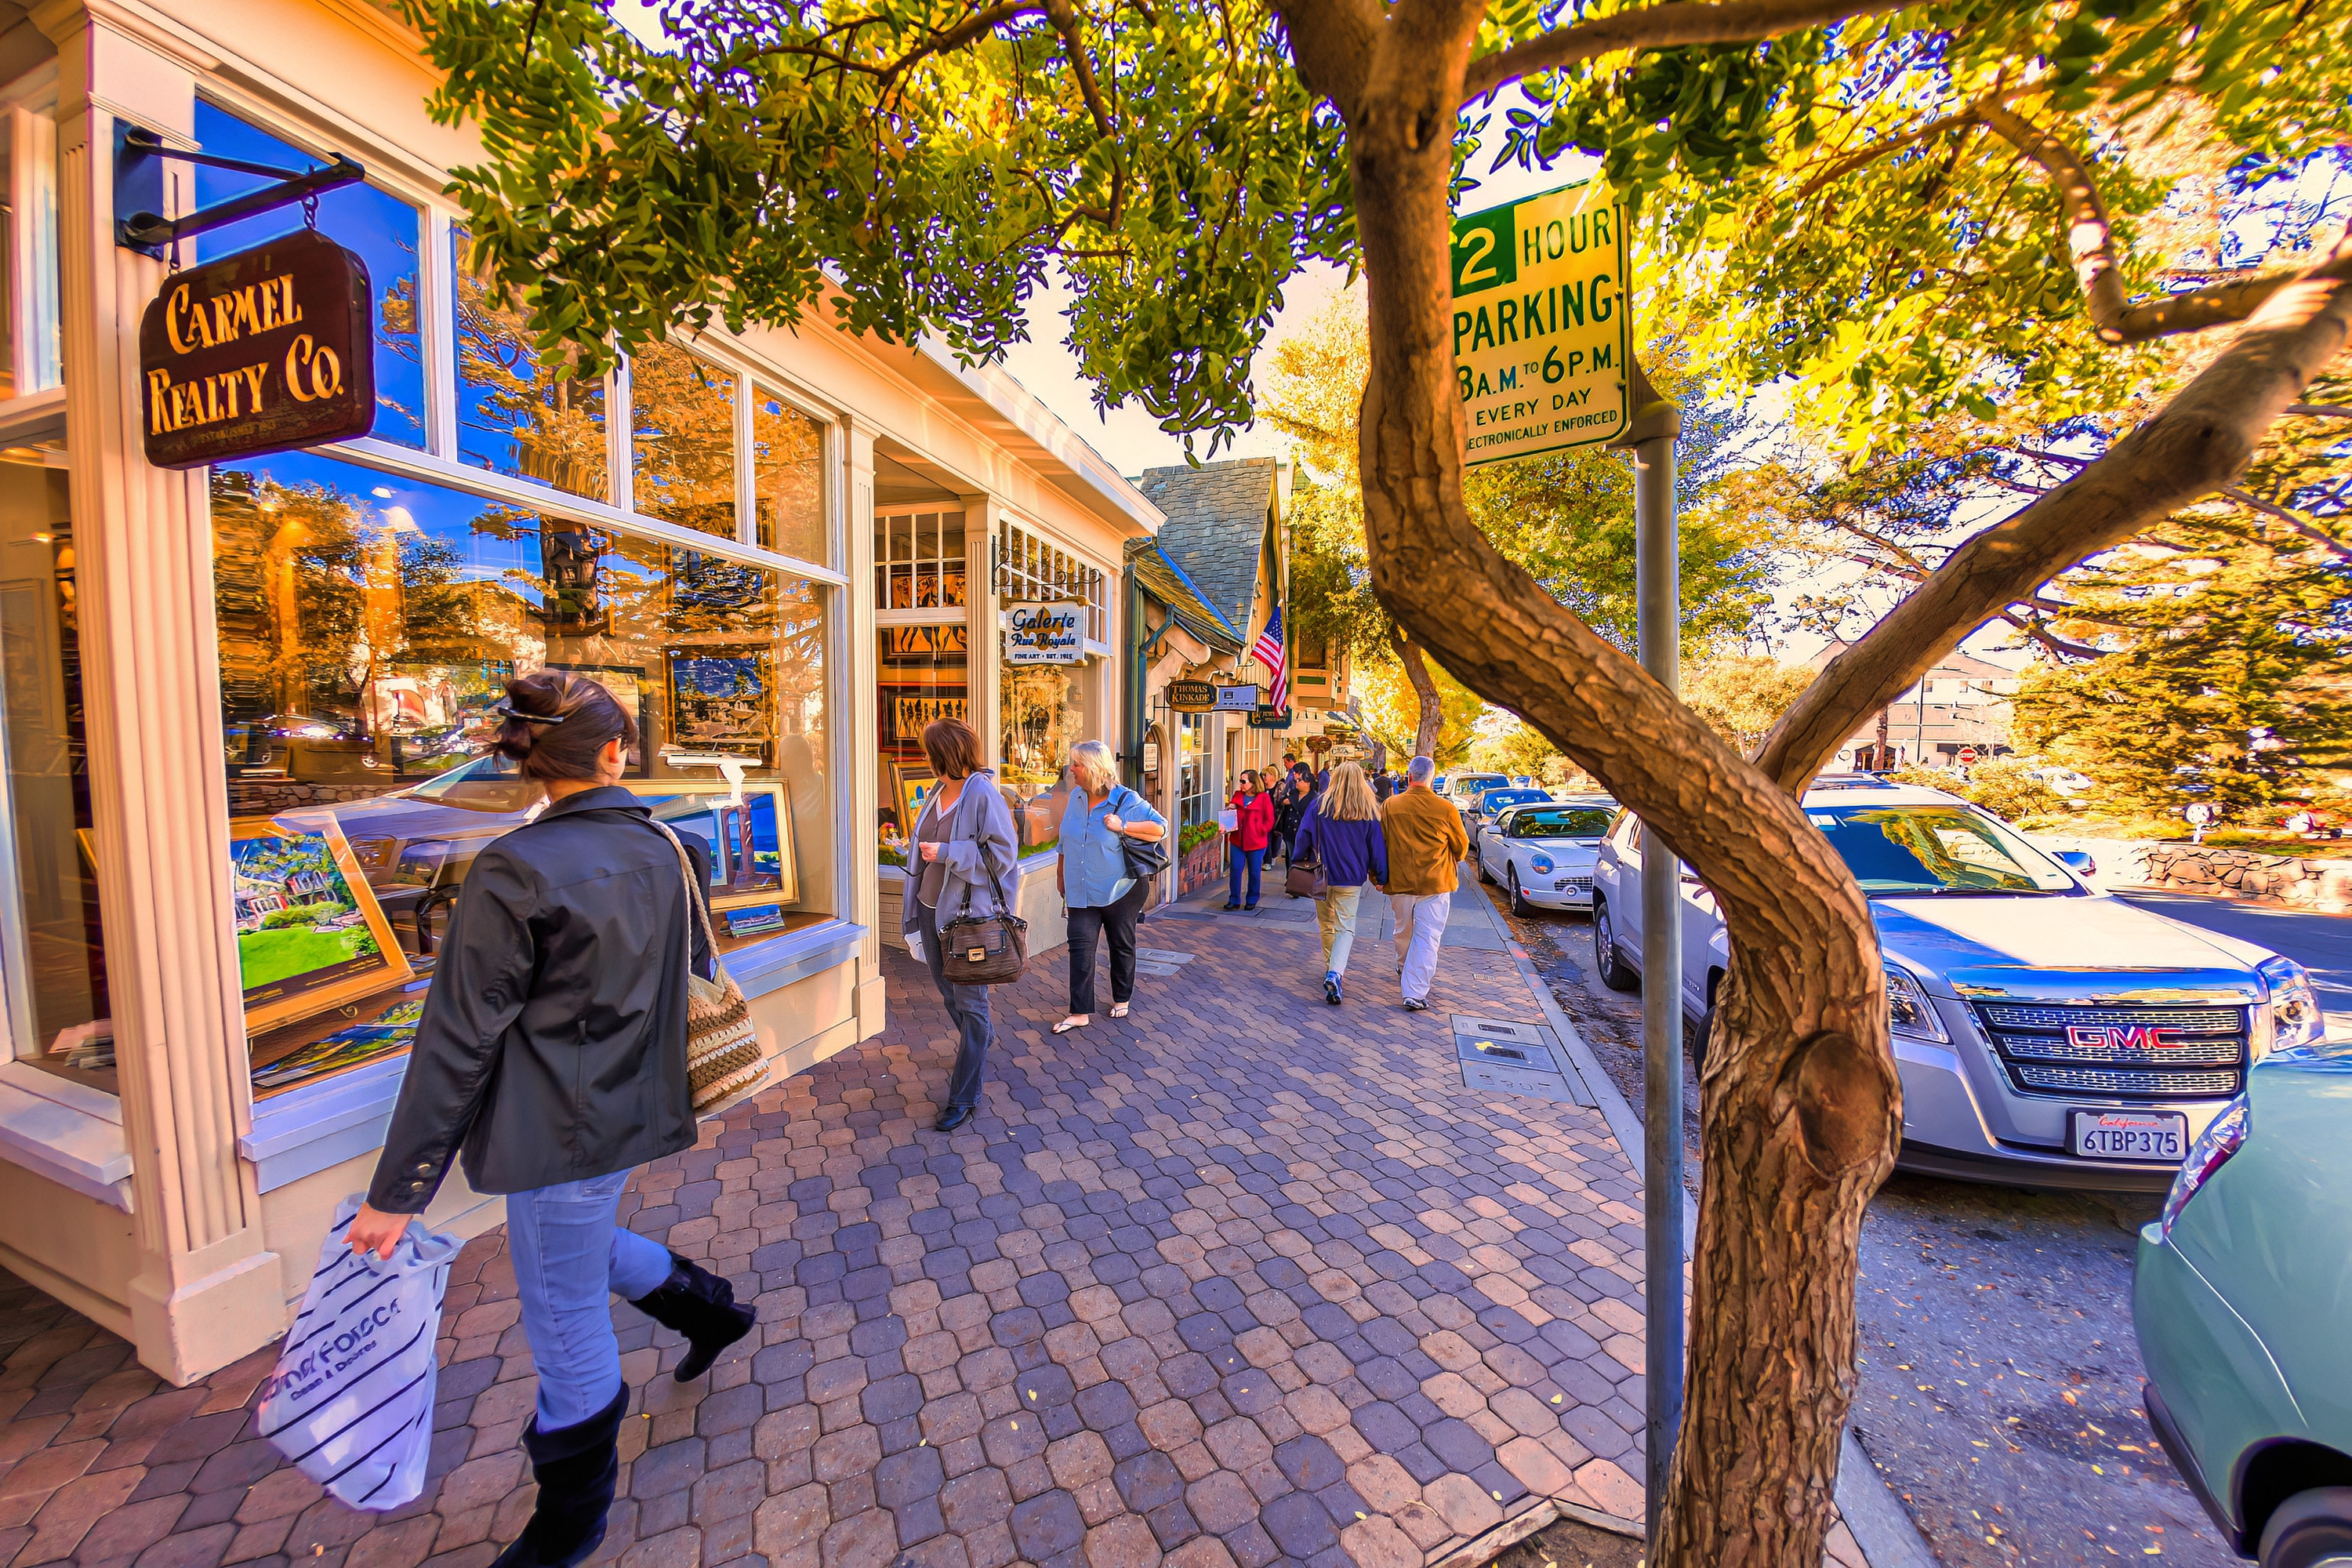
2285, 880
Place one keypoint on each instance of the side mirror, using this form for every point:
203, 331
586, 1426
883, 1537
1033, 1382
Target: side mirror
2077, 862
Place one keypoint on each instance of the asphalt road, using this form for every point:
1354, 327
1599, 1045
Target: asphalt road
1999, 1379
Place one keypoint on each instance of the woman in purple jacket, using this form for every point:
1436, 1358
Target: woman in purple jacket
1343, 830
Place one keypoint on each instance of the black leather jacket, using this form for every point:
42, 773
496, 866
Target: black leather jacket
552, 1044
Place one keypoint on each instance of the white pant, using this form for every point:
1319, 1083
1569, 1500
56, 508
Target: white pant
1420, 926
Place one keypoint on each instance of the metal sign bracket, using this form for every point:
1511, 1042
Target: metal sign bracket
149, 234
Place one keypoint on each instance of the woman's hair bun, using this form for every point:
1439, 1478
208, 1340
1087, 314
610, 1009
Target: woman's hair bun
557, 722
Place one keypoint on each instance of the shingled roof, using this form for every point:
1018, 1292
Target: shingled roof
1216, 527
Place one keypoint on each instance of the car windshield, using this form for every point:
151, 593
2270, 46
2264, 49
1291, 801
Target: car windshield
1475, 783
1935, 849
1582, 822
1496, 799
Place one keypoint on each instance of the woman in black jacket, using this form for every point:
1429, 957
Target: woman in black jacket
550, 1059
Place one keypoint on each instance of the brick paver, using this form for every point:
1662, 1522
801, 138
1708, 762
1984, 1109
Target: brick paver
1243, 1279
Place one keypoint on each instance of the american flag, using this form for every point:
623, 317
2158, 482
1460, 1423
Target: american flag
1268, 652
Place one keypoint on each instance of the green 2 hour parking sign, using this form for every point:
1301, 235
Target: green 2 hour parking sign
1542, 330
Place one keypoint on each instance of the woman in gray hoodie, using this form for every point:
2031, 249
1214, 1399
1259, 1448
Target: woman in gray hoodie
964, 854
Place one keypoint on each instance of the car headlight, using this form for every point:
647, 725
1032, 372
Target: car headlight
2222, 1137
2296, 1018
1540, 863
1909, 1010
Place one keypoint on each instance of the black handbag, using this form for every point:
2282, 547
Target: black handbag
984, 950
1145, 857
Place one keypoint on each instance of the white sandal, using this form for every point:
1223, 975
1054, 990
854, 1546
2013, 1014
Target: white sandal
1118, 1009
1073, 1022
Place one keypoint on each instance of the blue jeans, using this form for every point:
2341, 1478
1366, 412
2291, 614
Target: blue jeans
968, 1006
1236, 859
570, 1260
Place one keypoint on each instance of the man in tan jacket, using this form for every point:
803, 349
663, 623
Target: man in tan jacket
1425, 844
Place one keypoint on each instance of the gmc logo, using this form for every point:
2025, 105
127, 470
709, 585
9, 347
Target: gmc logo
2118, 1037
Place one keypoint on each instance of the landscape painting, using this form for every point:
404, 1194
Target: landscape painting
309, 933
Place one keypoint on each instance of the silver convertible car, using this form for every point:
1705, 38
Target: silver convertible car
1543, 853
2047, 1033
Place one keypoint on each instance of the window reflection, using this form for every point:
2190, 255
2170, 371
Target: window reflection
683, 439
50, 946
1044, 715
380, 228
31, 357
788, 457
521, 412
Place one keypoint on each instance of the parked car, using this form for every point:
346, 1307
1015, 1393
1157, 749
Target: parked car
2047, 1033
1480, 814
1543, 853
2241, 1296
1464, 789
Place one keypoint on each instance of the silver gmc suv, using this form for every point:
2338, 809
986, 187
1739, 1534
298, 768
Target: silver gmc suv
2048, 1034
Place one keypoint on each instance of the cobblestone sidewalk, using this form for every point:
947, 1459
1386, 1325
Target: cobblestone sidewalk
1243, 1278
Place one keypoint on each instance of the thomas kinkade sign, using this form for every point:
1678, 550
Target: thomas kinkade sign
1191, 696
1043, 633
261, 352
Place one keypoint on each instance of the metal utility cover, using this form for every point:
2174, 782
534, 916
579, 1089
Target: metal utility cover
1162, 970
1162, 955
1495, 1080
1500, 1056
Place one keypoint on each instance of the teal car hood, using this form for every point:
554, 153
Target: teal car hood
2058, 948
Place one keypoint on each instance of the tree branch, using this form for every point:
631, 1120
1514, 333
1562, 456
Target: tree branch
2051, 640
2200, 442
1334, 42
2090, 237
1877, 149
2280, 514
2329, 409
1679, 22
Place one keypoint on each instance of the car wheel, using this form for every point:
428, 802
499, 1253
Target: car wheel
1519, 905
2309, 1529
1614, 973
1485, 874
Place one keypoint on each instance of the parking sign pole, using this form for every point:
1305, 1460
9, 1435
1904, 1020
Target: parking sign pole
1658, 610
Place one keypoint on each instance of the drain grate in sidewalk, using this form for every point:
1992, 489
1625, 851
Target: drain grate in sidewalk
1500, 1056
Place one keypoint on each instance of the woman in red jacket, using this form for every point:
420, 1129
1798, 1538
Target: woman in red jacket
1252, 811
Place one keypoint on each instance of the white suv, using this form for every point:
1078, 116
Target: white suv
2047, 1033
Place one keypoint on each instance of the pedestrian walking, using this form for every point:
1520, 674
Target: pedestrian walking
1380, 787
1425, 846
1103, 897
1343, 829
551, 1061
1254, 812
1290, 810
965, 852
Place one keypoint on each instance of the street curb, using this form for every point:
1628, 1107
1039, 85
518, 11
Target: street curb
1884, 1532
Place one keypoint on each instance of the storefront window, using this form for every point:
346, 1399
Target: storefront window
29, 351
381, 229
683, 438
1044, 713
521, 412
788, 466
919, 561
368, 623
1195, 806
924, 674
50, 954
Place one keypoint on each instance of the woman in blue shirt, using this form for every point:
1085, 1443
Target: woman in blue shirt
1100, 896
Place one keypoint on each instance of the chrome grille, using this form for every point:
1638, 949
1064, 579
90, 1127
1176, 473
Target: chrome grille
2120, 1080
1572, 884
2201, 1051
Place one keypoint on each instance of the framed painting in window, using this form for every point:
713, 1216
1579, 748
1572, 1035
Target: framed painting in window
309, 933
722, 701
753, 859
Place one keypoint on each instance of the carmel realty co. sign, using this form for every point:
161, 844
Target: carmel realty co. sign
264, 351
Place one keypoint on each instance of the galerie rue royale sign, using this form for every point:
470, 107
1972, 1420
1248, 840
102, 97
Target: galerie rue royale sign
264, 351
1043, 633
1541, 334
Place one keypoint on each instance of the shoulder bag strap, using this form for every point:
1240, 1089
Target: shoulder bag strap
995, 880
696, 911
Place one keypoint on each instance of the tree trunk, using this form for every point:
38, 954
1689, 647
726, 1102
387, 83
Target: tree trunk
1432, 721
1802, 1102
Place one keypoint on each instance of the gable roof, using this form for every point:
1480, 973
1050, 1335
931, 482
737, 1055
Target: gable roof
1215, 528
1166, 582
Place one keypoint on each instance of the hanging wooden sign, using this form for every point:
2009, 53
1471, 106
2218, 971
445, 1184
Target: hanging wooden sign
1270, 718
1191, 696
264, 351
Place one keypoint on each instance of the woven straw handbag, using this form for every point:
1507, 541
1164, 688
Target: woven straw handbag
723, 1061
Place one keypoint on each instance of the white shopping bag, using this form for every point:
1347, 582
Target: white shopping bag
350, 1405
1228, 821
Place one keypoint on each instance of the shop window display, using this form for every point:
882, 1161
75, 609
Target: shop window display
50, 950
521, 411
382, 230
924, 674
919, 561
1043, 713
367, 624
682, 437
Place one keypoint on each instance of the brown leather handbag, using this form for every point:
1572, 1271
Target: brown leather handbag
1305, 881
984, 950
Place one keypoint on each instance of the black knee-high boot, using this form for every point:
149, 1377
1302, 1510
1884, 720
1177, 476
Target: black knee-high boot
577, 1468
701, 1306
